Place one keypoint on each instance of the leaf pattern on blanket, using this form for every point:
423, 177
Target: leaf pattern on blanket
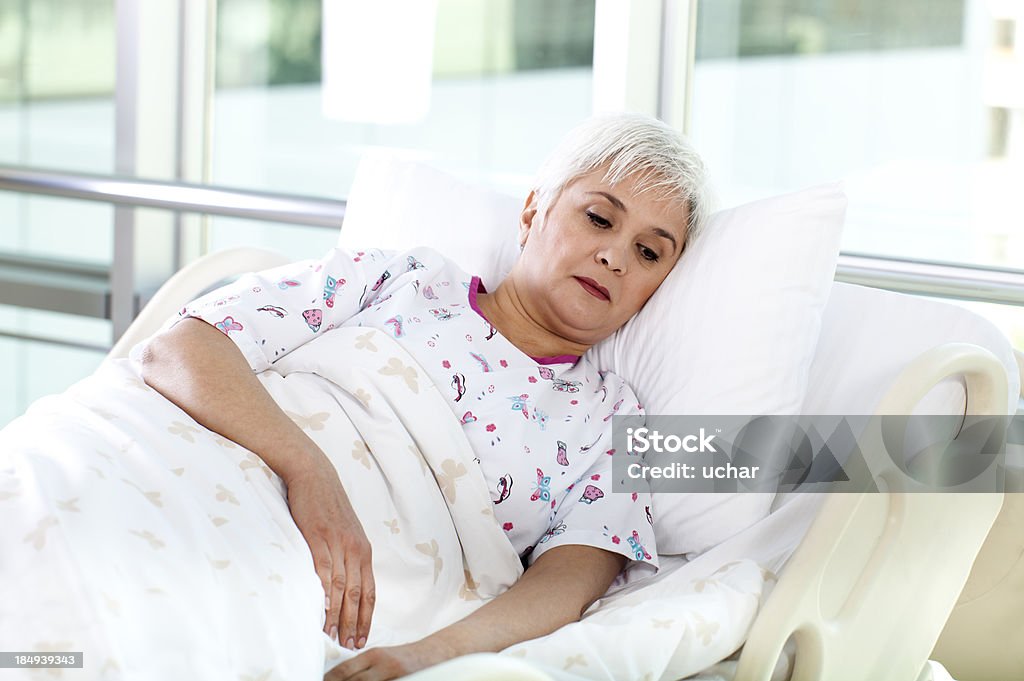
38, 536
705, 629
449, 475
396, 367
361, 453
311, 422
662, 624
573, 660
183, 430
392, 525
154, 497
699, 585
364, 342
253, 461
154, 541
433, 549
363, 397
225, 495
218, 564
70, 505
224, 442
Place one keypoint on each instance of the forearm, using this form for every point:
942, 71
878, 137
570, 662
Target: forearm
201, 371
555, 591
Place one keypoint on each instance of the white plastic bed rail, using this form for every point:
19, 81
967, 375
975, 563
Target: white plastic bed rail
870, 587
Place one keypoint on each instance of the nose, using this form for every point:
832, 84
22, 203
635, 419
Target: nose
613, 257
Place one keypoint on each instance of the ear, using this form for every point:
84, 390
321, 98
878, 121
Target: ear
527, 217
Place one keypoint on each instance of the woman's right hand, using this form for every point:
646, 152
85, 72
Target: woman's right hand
341, 551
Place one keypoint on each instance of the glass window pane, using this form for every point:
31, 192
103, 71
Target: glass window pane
917, 105
57, 83
57, 111
509, 78
53, 227
758, 28
33, 369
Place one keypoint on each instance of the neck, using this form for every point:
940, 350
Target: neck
506, 311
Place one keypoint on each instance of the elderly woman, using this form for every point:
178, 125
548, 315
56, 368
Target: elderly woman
610, 214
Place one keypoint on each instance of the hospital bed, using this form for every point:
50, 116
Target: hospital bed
871, 583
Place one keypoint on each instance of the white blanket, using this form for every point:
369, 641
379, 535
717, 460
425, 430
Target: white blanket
162, 550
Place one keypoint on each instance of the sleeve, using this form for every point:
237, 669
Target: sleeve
594, 514
268, 314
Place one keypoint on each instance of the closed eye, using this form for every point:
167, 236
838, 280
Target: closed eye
648, 254
598, 220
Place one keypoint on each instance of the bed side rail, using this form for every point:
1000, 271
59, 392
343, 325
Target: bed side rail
869, 589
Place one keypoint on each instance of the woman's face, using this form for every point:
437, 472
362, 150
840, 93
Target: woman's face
597, 256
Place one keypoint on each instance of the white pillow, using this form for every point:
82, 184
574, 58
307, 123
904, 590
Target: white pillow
398, 204
732, 330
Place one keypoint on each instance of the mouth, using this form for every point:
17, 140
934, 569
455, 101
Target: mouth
593, 288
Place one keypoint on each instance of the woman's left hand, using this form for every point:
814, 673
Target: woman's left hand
391, 662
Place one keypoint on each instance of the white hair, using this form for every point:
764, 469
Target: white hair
663, 160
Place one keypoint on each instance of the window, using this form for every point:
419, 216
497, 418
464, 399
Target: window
915, 105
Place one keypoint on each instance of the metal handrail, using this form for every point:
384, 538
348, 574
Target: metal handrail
965, 282
177, 196
944, 280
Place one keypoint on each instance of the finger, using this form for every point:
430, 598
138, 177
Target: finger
353, 591
337, 590
366, 604
322, 563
